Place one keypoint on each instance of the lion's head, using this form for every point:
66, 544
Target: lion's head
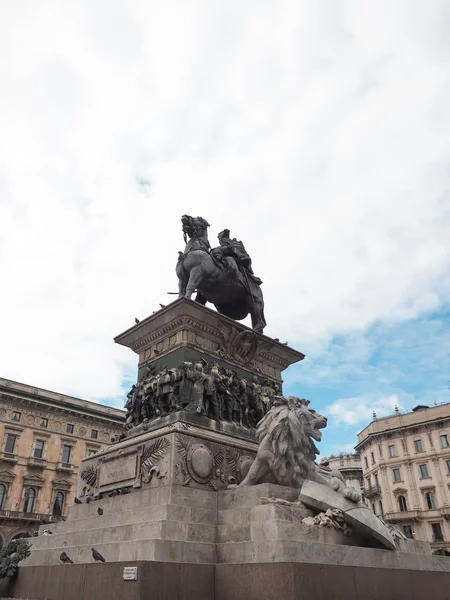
289, 430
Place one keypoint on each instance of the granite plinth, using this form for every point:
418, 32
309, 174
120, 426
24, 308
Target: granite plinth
187, 331
217, 544
180, 449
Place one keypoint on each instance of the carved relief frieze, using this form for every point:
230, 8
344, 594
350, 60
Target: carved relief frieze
151, 457
89, 478
210, 463
162, 332
237, 345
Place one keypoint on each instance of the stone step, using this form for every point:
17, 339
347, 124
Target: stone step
285, 551
271, 529
139, 498
262, 512
153, 550
171, 512
158, 529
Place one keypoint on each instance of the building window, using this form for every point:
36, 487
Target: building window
444, 441
91, 452
407, 530
437, 532
2, 495
366, 462
58, 504
94, 434
448, 466
392, 450
381, 508
372, 456
38, 450
373, 509
69, 428
402, 504
66, 450
423, 471
30, 497
418, 446
376, 479
44, 423
430, 500
16, 416
10, 443
397, 474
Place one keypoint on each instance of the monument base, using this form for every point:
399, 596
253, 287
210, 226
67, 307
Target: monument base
251, 581
191, 537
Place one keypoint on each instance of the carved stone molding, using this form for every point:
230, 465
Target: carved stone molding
151, 455
210, 463
221, 337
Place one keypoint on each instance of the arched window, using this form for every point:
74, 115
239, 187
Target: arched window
58, 504
2, 495
30, 497
430, 500
402, 504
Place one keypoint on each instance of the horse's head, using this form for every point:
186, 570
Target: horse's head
194, 226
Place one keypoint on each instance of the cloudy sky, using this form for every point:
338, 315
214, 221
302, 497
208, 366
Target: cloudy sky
317, 131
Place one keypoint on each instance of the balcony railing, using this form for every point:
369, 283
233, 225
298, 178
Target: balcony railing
40, 463
373, 490
23, 516
67, 467
8, 457
407, 515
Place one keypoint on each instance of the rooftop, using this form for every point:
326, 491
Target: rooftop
23, 390
418, 415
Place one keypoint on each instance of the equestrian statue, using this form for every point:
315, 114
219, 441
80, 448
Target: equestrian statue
222, 275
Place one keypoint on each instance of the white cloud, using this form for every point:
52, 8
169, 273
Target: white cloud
319, 134
361, 408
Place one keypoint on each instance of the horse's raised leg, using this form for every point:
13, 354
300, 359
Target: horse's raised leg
183, 277
181, 288
195, 278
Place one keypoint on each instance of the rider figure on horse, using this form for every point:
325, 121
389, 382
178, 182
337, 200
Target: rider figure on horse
232, 254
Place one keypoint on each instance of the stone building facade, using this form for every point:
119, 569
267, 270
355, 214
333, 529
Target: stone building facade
405, 460
43, 438
349, 466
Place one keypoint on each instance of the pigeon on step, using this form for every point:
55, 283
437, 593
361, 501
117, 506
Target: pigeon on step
97, 556
65, 559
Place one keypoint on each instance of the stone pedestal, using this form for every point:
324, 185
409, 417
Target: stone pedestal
181, 448
190, 543
160, 500
187, 331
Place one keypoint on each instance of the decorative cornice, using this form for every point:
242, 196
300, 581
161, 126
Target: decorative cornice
187, 315
38, 408
198, 431
158, 334
62, 402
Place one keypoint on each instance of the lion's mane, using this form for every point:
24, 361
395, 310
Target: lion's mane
286, 427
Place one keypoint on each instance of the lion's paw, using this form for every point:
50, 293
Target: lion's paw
351, 494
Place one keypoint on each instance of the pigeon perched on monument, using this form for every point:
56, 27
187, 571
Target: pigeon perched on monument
65, 559
97, 556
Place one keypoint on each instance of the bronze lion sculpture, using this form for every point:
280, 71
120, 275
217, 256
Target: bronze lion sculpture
287, 452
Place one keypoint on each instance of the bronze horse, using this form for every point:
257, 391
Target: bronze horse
233, 294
